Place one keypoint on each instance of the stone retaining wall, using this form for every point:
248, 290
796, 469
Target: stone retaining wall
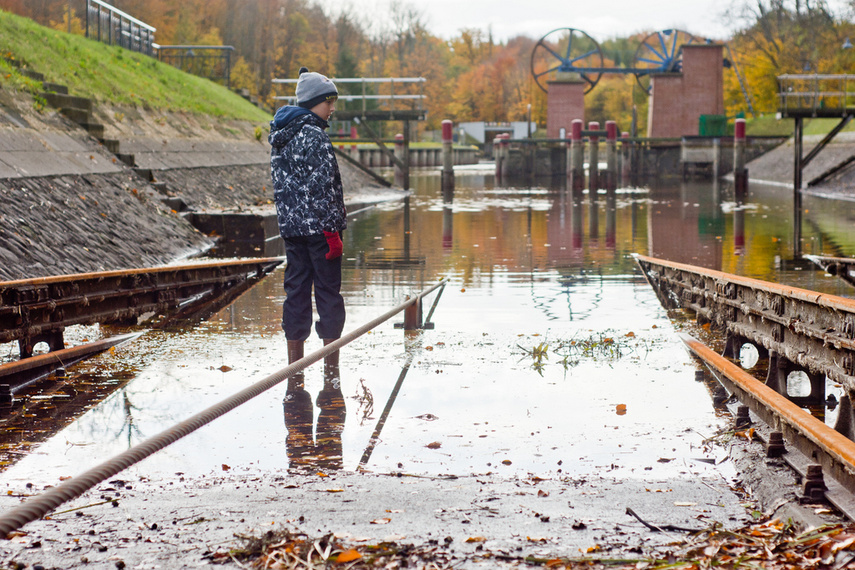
72, 204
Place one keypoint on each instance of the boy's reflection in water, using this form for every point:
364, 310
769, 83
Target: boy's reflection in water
324, 450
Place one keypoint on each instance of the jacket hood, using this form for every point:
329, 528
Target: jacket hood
288, 121
285, 115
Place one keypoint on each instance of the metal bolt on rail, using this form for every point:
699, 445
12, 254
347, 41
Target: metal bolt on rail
775, 446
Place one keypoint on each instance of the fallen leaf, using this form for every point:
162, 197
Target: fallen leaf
665, 459
506, 462
226, 467
335, 490
381, 521
348, 556
434, 445
476, 539
630, 334
224, 368
620, 409
536, 539
542, 493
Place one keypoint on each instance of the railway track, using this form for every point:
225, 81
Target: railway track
795, 330
38, 310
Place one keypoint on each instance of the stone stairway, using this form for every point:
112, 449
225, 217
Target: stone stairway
80, 110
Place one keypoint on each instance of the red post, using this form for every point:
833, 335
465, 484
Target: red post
594, 160
399, 154
447, 156
740, 173
611, 156
576, 161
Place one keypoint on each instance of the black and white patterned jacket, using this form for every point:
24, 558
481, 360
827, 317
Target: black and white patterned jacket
307, 186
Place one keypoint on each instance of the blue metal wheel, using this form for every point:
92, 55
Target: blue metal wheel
660, 52
566, 54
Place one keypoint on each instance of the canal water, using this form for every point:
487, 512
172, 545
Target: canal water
548, 353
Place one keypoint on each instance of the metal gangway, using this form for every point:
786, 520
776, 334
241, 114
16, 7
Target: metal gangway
368, 98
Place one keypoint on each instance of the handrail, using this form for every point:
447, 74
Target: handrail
364, 80
70, 489
124, 15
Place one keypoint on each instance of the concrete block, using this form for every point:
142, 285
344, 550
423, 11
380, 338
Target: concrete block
55, 88
79, 116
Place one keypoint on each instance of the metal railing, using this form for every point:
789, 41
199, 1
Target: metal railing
816, 94
210, 62
110, 25
36, 507
367, 96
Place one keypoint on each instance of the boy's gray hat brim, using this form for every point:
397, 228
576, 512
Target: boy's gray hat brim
314, 88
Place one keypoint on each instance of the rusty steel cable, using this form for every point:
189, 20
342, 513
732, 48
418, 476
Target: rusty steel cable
70, 489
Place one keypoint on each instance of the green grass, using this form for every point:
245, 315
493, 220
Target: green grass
110, 74
768, 125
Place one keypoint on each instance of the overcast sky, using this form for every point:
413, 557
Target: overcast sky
601, 19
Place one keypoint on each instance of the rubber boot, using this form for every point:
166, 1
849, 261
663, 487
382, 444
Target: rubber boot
295, 353
332, 414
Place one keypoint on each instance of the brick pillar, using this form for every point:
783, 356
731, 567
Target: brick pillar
565, 101
679, 99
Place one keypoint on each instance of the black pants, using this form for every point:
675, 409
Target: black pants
308, 267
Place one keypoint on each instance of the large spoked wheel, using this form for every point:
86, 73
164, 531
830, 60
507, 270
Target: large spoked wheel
566, 53
660, 52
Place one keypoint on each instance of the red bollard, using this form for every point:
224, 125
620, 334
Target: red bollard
740, 173
611, 156
594, 160
399, 154
447, 157
576, 161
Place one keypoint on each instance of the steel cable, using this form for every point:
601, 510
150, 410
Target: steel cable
39, 506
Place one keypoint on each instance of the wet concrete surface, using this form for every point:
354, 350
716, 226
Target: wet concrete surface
171, 523
490, 439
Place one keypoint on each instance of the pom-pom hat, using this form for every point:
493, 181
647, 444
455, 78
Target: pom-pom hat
314, 88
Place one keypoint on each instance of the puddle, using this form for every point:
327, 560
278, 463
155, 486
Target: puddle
516, 378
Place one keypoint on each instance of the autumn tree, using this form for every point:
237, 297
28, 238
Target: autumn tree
778, 37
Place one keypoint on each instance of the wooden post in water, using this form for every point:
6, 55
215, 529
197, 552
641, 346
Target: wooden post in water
447, 157
593, 159
625, 160
611, 156
497, 156
576, 161
399, 154
740, 173
505, 144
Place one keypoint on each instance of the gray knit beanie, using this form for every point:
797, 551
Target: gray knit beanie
314, 88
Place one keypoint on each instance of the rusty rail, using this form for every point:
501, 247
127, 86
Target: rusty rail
38, 310
21, 373
843, 267
832, 450
814, 331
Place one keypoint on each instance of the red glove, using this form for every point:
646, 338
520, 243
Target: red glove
336, 247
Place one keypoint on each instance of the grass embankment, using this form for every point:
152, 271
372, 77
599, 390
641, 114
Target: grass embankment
110, 74
768, 125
